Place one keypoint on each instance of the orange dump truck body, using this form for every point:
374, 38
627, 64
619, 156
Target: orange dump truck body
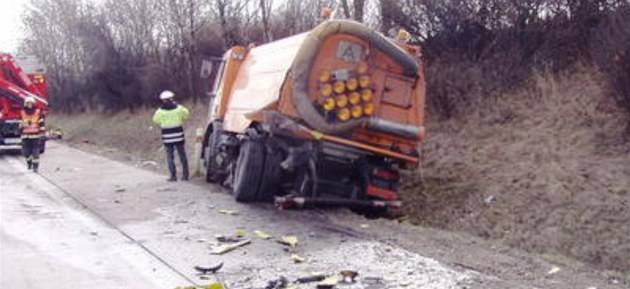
340, 83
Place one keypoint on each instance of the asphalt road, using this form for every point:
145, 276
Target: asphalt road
89, 221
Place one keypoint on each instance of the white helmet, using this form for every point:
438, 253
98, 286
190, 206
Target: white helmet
167, 94
30, 100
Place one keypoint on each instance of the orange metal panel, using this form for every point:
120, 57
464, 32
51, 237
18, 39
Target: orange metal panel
260, 79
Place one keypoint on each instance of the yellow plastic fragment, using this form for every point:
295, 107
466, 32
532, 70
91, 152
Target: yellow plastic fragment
290, 241
297, 258
228, 212
262, 235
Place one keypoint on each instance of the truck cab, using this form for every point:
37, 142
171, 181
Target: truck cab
19, 78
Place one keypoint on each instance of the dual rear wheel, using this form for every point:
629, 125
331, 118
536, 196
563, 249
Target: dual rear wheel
256, 170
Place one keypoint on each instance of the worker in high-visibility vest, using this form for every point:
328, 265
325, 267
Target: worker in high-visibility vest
33, 130
171, 118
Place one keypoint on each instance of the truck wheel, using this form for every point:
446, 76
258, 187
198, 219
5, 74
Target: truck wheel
270, 183
212, 170
249, 171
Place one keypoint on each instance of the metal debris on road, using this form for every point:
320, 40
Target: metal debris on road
290, 241
209, 270
262, 235
222, 249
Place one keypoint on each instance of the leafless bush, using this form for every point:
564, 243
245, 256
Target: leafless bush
610, 49
117, 54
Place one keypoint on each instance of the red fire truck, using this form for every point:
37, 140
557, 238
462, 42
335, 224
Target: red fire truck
15, 86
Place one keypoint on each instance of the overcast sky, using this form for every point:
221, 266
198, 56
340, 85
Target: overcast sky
10, 24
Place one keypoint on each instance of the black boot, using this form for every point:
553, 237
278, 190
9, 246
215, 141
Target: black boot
172, 179
29, 165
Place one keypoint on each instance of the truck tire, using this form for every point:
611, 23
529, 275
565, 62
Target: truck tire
270, 183
212, 176
248, 173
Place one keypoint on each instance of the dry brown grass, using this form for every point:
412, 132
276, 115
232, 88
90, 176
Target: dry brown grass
133, 134
546, 169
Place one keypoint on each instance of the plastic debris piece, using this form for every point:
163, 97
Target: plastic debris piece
222, 249
349, 276
364, 226
215, 285
209, 270
312, 278
240, 233
554, 270
328, 283
262, 235
290, 241
297, 258
228, 212
228, 239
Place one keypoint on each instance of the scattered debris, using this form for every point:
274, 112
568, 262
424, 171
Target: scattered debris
240, 233
167, 189
228, 212
215, 285
312, 278
222, 249
328, 283
209, 270
290, 241
297, 258
228, 239
120, 190
554, 270
490, 199
349, 276
280, 283
262, 235
180, 221
364, 226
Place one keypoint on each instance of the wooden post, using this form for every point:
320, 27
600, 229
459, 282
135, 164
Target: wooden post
197, 150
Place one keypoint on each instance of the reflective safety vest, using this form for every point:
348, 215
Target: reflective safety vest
32, 124
171, 121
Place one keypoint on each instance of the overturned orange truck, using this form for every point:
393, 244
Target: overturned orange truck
326, 117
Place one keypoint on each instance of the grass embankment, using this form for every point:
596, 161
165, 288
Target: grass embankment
546, 169
128, 135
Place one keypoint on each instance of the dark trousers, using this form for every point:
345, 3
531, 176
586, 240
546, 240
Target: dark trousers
30, 149
170, 158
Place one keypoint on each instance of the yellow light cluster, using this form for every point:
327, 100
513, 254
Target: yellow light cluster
352, 98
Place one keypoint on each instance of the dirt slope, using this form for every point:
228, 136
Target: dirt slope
546, 169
